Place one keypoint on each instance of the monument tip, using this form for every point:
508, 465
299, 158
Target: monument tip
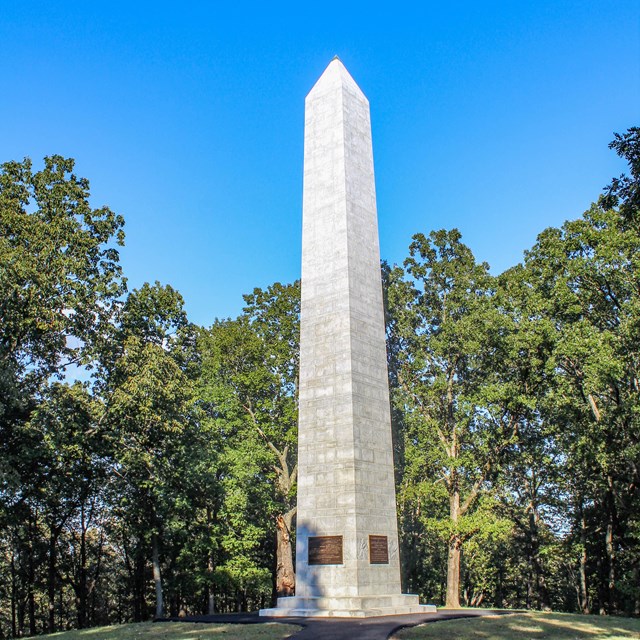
335, 74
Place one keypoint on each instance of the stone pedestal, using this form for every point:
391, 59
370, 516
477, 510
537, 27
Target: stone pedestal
357, 607
347, 561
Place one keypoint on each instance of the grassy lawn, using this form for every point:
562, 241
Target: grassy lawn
180, 631
528, 626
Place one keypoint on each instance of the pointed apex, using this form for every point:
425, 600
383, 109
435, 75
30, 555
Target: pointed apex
335, 75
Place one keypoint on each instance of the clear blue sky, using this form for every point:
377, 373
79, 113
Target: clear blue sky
493, 117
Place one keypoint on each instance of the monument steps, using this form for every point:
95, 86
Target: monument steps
348, 607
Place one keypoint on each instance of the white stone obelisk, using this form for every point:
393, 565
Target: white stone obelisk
347, 541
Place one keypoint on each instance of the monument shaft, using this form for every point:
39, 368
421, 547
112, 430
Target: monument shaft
347, 542
346, 484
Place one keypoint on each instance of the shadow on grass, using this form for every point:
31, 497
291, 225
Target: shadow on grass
529, 626
181, 631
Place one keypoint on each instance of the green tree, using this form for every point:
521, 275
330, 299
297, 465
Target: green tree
150, 409
59, 280
59, 285
242, 518
457, 416
252, 364
588, 272
582, 284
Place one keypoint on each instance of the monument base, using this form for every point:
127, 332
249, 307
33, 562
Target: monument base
347, 607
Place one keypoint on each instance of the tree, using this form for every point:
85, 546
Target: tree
150, 407
59, 285
457, 418
71, 471
274, 315
253, 364
587, 271
228, 351
59, 280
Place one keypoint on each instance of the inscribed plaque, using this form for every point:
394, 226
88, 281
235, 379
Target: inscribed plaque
378, 550
325, 550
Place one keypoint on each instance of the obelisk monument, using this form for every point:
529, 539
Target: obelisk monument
346, 537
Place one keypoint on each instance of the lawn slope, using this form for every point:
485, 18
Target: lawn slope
527, 626
180, 631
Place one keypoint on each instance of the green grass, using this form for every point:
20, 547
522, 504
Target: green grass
181, 631
527, 626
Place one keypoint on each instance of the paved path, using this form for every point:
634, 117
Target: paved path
379, 628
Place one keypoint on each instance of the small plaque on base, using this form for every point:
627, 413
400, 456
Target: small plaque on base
378, 550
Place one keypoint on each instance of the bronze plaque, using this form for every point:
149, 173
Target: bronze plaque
378, 550
325, 550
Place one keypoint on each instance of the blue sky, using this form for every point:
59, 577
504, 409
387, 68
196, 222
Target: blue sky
187, 118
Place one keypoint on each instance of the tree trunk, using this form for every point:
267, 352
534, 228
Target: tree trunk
95, 581
530, 594
14, 595
453, 557
611, 550
31, 599
585, 606
157, 577
500, 580
82, 573
453, 572
139, 582
602, 587
51, 580
211, 596
211, 566
542, 593
611, 582
285, 574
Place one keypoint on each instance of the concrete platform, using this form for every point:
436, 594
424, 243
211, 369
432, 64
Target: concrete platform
348, 607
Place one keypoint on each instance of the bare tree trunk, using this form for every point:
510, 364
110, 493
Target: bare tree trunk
82, 572
95, 580
500, 580
585, 606
211, 565
602, 591
542, 593
51, 580
285, 574
453, 573
285, 479
14, 594
453, 557
611, 555
31, 599
157, 576
137, 573
529, 580
611, 551
211, 596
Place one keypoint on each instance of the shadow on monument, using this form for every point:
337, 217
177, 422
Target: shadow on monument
309, 579
307, 584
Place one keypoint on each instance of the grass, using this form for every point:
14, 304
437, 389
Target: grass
527, 626
180, 631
